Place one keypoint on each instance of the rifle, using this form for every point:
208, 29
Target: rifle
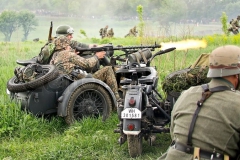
50, 32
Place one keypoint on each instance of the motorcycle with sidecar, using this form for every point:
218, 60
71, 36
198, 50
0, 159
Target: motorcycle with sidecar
144, 112
41, 90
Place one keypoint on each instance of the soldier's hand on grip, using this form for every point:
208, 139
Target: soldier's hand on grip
101, 54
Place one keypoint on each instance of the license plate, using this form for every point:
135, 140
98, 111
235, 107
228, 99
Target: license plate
131, 113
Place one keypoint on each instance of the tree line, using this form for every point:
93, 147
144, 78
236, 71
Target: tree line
163, 11
21, 13
10, 21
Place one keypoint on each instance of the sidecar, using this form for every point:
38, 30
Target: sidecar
52, 93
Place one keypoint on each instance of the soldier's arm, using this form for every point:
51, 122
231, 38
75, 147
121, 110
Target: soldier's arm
82, 62
75, 44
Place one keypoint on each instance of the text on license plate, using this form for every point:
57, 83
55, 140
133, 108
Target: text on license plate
131, 113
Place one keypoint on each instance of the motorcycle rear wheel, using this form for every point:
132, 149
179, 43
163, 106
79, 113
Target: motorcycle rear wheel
88, 100
134, 145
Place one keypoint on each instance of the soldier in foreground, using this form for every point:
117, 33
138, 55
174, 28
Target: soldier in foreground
205, 119
67, 61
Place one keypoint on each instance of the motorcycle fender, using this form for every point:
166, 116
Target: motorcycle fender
135, 122
132, 118
64, 98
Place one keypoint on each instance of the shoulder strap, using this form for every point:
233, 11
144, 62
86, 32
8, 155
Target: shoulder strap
205, 95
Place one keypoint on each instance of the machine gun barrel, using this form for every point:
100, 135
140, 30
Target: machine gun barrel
137, 47
110, 48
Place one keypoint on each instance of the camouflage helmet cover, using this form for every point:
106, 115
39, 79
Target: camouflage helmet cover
238, 17
64, 30
61, 42
224, 61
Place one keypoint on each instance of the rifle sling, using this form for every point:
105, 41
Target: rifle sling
205, 95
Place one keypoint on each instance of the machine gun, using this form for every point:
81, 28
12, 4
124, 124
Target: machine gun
109, 49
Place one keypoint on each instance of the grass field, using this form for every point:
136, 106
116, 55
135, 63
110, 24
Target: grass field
25, 137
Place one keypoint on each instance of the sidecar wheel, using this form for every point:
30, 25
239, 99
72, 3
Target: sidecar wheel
51, 72
134, 145
88, 100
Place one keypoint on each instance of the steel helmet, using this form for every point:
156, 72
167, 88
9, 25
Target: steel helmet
61, 42
64, 30
224, 61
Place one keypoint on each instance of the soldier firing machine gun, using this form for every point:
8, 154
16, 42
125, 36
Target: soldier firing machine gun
133, 53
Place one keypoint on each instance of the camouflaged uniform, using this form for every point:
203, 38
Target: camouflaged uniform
235, 24
110, 33
101, 32
105, 30
49, 48
134, 31
46, 53
67, 62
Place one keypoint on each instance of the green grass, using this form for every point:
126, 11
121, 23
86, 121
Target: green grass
24, 136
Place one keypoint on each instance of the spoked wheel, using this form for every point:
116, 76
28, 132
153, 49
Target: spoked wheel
134, 145
88, 100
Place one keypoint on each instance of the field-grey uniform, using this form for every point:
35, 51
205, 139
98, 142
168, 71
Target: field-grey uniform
216, 131
217, 126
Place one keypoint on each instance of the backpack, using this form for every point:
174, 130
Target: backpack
45, 54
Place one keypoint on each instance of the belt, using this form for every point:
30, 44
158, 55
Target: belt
202, 153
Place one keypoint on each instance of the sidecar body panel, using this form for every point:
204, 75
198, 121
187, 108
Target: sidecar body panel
43, 100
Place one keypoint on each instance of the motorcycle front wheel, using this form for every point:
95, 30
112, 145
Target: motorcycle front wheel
88, 100
134, 145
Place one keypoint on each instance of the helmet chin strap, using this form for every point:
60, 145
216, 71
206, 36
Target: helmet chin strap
238, 82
